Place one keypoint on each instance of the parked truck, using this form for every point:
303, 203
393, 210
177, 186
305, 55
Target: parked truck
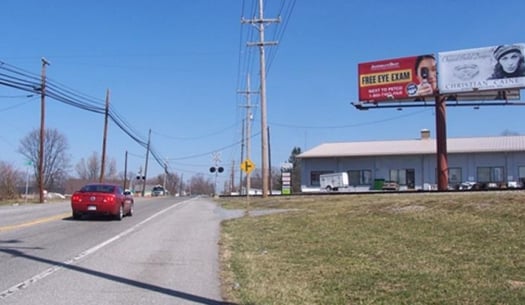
333, 181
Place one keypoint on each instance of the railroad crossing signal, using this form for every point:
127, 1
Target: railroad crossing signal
215, 169
247, 166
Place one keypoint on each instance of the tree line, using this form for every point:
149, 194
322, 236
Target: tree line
14, 182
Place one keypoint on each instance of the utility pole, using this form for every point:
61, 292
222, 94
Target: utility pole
248, 133
146, 166
181, 184
165, 174
259, 24
232, 181
270, 159
104, 140
243, 139
42, 131
126, 170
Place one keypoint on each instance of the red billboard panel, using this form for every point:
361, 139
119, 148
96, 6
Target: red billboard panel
397, 79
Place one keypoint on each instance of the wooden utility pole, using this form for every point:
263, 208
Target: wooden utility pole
104, 140
232, 180
126, 170
248, 133
42, 131
146, 166
243, 139
260, 22
165, 174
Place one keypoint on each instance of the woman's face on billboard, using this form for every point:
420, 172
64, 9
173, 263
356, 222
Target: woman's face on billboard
509, 61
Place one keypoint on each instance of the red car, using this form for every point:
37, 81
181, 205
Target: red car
102, 199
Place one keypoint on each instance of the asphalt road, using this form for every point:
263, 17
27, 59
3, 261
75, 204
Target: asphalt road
166, 253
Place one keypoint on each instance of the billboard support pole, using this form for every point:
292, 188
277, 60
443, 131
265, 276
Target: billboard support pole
441, 143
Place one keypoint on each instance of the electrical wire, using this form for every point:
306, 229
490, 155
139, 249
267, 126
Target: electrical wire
17, 96
18, 105
198, 136
22, 80
280, 30
350, 125
17, 78
210, 152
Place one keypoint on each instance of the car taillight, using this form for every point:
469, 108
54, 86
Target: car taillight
75, 198
109, 199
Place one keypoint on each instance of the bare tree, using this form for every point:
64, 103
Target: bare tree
256, 179
199, 185
111, 170
56, 161
90, 169
277, 181
131, 176
10, 178
170, 181
508, 132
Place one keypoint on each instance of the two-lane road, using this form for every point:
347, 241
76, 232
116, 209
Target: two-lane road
166, 253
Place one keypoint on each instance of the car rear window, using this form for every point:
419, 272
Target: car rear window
98, 188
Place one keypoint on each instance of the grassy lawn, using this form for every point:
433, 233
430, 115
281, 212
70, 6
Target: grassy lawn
443, 248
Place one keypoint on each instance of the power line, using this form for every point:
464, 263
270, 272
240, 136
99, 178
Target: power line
350, 125
26, 81
198, 136
19, 104
212, 151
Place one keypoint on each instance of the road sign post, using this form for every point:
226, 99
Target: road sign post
247, 166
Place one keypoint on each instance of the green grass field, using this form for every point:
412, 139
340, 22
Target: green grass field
441, 248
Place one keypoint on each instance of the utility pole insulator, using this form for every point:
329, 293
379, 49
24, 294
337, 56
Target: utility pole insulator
262, 44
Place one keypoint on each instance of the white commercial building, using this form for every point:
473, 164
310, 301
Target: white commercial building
490, 161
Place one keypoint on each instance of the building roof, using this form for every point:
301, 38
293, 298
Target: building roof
416, 147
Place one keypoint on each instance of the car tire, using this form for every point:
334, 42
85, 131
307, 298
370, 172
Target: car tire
130, 213
76, 216
120, 213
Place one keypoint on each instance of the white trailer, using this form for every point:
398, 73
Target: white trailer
334, 181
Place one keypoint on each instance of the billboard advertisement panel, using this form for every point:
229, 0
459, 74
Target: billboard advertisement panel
397, 79
490, 68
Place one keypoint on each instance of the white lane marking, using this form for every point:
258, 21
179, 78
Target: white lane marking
24, 284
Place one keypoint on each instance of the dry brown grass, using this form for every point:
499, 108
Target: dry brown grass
442, 248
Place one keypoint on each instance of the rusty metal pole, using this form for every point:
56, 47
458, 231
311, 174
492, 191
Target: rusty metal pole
441, 143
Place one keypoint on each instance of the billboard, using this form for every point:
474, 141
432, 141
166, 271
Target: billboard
397, 79
489, 73
490, 68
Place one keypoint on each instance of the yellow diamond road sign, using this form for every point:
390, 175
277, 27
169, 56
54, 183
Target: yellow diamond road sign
247, 166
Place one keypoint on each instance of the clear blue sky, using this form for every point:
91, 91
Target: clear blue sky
175, 67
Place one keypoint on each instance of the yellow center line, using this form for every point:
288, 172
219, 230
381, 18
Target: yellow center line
34, 222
